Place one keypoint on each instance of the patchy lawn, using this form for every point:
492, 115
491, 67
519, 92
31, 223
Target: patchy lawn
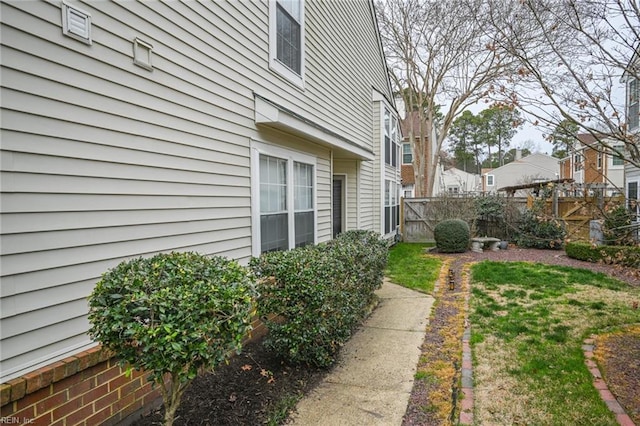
528, 324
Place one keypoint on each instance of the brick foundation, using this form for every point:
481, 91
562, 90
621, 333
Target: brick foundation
89, 388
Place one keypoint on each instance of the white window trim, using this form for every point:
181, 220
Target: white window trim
258, 148
633, 99
402, 145
493, 179
612, 158
388, 172
274, 64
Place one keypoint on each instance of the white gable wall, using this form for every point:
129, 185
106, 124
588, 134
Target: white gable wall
103, 160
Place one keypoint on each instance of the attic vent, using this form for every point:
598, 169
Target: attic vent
142, 54
76, 23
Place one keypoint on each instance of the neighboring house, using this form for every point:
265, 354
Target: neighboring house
225, 127
530, 169
410, 120
632, 173
591, 168
454, 181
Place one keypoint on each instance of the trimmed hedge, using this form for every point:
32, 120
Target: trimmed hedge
619, 255
311, 298
173, 314
452, 236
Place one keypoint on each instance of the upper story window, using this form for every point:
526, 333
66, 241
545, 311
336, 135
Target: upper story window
391, 142
599, 160
286, 39
633, 111
617, 158
407, 153
491, 180
577, 162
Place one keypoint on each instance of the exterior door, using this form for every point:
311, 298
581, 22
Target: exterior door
338, 205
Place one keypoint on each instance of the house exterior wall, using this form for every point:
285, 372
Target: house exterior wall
528, 169
593, 167
104, 160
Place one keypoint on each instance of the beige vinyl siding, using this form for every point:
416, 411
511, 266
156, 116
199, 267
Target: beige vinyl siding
103, 160
349, 169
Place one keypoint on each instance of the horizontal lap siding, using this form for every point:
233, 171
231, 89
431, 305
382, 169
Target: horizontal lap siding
103, 161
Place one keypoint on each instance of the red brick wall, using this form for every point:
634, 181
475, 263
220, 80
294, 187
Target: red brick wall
86, 389
89, 388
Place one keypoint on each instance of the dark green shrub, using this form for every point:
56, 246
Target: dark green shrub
313, 297
618, 255
538, 231
173, 314
452, 236
616, 227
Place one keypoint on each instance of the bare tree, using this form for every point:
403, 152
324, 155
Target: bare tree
442, 53
572, 56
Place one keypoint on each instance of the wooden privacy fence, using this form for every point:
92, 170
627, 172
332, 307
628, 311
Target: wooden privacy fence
419, 216
578, 212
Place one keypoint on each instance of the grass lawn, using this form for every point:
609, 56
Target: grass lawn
528, 324
409, 266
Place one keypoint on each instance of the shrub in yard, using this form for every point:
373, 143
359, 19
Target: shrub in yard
173, 315
312, 297
619, 255
538, 231
452, 236
616, 227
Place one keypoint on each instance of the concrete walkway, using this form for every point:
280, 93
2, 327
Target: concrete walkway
372, 381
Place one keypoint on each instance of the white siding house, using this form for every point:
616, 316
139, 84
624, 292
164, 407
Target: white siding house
631, 172
132, 128
530, 169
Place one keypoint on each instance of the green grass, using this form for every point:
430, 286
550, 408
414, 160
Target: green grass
409, 267
528, 324
280, 410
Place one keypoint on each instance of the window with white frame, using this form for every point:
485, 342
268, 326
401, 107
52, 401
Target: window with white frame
577, 162
407, 153
633, 110
490, 180
391, 206
284, 194
286, 39
633, 199
391, 136
599, 160
617, 158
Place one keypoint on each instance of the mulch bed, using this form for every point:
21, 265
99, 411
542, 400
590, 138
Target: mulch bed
249, 388
244, 392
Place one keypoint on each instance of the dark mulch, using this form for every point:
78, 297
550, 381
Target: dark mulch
251, 386
244, 392
622, 374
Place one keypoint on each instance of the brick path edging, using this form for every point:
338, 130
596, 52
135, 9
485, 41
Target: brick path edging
466, 405
466, 411
598, 382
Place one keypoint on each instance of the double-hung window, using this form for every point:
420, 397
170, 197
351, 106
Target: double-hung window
407, 153
391, 206
286, 39
391, 138
633, 111
284, 199
617, 156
